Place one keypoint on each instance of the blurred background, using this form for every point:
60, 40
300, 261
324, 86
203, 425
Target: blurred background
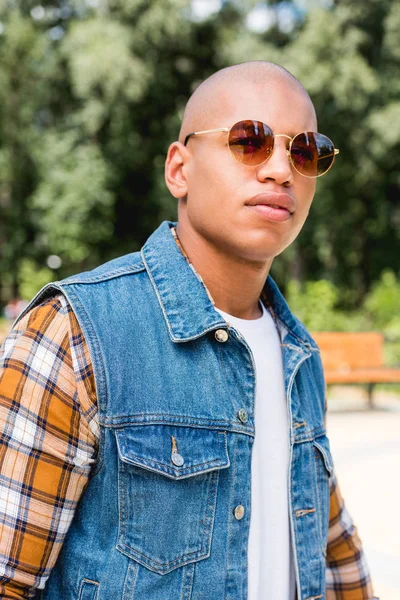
91, 95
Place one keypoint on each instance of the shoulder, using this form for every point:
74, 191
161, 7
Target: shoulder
49, 318
43, 339
52, 297
123, 265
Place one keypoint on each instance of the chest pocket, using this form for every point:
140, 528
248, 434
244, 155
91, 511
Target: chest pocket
168, 481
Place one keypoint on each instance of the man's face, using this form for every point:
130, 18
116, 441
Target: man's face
222, 193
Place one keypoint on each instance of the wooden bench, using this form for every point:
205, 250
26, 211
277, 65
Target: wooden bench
355, 358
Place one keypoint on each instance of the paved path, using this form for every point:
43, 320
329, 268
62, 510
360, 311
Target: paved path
366, 451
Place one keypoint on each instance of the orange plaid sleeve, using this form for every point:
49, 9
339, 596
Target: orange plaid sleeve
347, 576
48, 439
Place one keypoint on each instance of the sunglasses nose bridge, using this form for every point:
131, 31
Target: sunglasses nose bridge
287, 149
277, 165
277, 135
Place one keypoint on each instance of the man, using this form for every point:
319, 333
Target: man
168, 403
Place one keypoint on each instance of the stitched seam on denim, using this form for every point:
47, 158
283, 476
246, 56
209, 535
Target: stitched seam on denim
253, 383
188, 584
177, 561
319, 501
100, 457
161, 464
121, 271
99, 373
173, 417
170, 471
230, 522
36, 299
293, 375
310, 436
210, 513
150, 275
224, 376
122, 503
225, 441
293, 531
141, 461
89, 582
302, 342
325, 455
321, 455
169, 326
130, 580
183, 559
96, 347
152, 565
184, 421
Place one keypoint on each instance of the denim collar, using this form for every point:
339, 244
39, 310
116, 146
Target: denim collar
186, 303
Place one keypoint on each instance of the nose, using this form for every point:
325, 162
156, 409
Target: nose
277, 168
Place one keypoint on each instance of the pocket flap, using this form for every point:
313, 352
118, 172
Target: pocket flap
322, 443
173, 451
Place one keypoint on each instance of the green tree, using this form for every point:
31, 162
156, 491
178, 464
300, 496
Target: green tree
91, 96
22, 68
347, 56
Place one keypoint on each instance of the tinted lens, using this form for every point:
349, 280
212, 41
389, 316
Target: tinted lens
312, 153
251, 142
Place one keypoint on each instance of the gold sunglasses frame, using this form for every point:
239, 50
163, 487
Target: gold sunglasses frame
276, 135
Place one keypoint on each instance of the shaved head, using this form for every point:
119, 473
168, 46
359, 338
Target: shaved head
207, 104
219, 210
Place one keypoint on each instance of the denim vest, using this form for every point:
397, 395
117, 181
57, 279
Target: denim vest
176, 389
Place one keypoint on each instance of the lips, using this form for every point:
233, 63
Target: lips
273, 199
273, 206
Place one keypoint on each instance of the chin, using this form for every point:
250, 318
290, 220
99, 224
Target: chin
265, 248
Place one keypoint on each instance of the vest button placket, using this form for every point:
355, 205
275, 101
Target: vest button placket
239, 512
221, 335
242, 415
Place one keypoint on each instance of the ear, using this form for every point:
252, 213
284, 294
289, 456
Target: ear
175, 176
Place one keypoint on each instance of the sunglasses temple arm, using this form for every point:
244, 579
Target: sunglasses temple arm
220, 129
336, 151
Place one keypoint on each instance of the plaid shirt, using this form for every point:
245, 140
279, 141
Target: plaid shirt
48, 441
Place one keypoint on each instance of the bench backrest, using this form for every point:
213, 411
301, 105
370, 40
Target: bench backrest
350, 350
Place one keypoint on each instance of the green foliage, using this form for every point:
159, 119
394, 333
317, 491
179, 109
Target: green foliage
103, 69
317, 304
25, 74
31, 279
72, 205
383, 301
347, 57
392, 338
90, 98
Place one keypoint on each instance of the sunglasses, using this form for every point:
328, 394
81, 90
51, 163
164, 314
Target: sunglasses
252, 143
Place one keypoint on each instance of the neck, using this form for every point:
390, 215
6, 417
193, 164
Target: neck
235, 284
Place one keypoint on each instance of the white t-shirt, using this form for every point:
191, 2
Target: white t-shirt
270, 558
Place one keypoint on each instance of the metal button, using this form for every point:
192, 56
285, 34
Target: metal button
239, 512
221, 335
177, 459
243, 416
